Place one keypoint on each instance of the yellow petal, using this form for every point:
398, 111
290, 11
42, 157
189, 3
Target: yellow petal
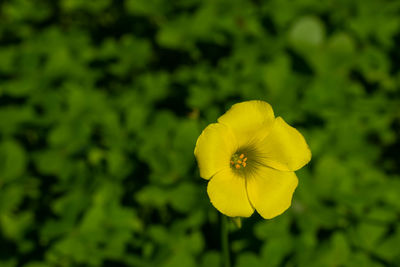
270, 191
284, 148
214, 148
227, 192
250, 121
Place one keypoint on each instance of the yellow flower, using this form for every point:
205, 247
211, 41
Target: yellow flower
249, 158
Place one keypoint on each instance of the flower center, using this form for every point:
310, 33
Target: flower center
238, 161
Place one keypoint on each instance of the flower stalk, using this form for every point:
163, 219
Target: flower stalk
225, 241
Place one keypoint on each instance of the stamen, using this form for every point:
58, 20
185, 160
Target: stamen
238, 161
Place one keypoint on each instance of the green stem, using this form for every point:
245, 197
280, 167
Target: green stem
225, 241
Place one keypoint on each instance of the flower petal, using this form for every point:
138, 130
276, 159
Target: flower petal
270, 191
250, 121
227, 192
214, 148
284, 148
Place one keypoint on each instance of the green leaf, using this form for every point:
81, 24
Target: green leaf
248, 259
13, 160
307, 34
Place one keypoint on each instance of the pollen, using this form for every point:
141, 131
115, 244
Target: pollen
238, 161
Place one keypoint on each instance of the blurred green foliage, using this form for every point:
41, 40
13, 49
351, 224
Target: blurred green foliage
101, 103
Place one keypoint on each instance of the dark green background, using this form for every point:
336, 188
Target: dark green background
101, 103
